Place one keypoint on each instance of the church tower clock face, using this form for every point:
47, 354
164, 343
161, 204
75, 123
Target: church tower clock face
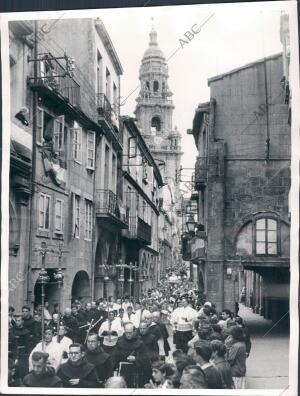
154, 111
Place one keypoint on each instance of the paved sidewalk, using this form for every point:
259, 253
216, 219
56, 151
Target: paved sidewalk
268, 363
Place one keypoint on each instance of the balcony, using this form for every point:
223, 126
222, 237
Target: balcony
107, 116
200, 173
53, 82
197, 249
138, 231
109, 210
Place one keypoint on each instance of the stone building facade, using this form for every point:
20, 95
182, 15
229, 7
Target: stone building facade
76, 145
242, 175
154, 114
142, 183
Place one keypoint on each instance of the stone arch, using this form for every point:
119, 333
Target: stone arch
251, 217
81, 287
156, 123
52, 292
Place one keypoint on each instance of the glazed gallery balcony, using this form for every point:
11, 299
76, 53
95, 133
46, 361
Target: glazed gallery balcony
107, 117
200, 173
138, 231
54, 82
109, 210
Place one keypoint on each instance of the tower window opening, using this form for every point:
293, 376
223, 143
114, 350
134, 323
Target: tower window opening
155, 86
148, 85
156, 123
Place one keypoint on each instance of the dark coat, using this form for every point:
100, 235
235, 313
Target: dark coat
48, 379
134, 347
85, 371
29, 323
225, 371
103, 363
237, 359
213, 377
165, 336
151, 345
71, 324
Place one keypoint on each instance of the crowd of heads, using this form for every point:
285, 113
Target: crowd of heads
214, 333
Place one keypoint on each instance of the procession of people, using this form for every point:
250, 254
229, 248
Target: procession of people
169, 338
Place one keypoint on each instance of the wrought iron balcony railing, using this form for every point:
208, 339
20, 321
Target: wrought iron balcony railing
52, 76
109, 117
107, 206
138, 229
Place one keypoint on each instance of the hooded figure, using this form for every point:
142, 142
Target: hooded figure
131, 358
100, 359
77, 372
42, 375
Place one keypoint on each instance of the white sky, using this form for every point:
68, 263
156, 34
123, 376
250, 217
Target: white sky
237, 34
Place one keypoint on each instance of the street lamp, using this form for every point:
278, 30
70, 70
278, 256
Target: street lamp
191, 224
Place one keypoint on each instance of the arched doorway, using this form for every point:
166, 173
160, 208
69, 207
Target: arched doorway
52, 295
81, 287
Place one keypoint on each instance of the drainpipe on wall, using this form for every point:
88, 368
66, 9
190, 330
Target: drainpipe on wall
93, 261
33, 165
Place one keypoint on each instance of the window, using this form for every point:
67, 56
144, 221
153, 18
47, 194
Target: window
76, 216
39, 125
155, 86
145, 172
91, 139
114, 173
106, 167
156, 124
99, 72
77, 132
132, 147
44, 212
107, 84
266, 237
59, 204
115, 98
88, 220
58, 133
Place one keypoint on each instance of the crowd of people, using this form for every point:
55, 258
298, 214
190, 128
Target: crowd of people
170, 338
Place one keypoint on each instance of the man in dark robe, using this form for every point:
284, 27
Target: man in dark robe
82, 324
100, 359
71, 324
131, 358
77, 372
149, 341
28, 319
21, 338
42, 375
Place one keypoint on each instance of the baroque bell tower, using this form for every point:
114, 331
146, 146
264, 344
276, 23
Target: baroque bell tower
154, 113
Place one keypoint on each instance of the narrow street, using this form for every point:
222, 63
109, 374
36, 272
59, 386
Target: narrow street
268, 363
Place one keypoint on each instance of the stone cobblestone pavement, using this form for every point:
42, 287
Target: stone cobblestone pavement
268, 363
